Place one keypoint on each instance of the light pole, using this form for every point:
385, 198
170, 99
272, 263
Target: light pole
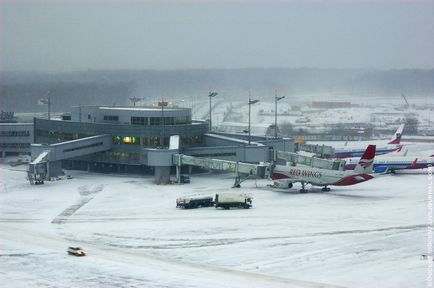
250, 103
162, 104
47, 101
49, 105
275, 112
211, 95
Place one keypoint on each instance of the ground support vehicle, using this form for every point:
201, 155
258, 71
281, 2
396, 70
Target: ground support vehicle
194, 202
233, 200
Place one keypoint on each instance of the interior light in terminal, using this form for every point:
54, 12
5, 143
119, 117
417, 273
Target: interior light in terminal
129, 140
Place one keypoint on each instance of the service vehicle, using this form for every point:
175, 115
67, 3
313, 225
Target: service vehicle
233, 200
194, 202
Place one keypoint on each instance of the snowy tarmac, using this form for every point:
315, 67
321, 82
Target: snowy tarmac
368, 235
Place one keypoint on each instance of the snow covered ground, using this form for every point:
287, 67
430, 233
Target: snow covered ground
378, 110
368, 235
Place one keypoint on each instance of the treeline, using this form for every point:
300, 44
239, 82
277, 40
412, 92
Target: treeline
20, 91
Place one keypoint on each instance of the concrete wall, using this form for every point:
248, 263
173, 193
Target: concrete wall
159, 157
162, 175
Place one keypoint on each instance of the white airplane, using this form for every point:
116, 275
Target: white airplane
286, 175
393, 145
391, 164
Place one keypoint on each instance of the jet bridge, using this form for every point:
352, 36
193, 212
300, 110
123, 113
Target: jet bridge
321, 150
297, 159
37, 171
243, 170
47, 157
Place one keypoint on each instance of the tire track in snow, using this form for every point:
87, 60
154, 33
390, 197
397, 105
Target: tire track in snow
86, 196
191, 274
176, 243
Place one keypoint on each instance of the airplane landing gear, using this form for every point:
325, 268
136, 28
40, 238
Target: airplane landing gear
303, 190
325, 189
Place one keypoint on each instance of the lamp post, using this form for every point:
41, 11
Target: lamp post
47, 101
162, 104
275, 112
250, 103
211, 95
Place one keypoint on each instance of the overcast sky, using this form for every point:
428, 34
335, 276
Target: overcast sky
79, 35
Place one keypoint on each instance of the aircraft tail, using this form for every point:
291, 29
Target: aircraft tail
396, 139
366, 162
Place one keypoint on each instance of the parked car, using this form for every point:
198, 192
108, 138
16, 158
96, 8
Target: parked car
76, 251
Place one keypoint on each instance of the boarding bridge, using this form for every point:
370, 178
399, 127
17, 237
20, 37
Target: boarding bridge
47, 157
37, 170
243, 170
297, 159
323, 151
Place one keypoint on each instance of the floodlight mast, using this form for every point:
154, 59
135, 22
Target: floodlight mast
251, 102
162, 104
211, 95
276, 99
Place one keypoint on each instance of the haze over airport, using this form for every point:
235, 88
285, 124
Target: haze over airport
63, 36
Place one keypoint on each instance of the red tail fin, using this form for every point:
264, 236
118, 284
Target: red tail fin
366, 163
368, 156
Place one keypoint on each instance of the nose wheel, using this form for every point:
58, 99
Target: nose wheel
325, 189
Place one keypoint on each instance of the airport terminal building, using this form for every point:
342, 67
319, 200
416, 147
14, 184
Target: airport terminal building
136, 140
131, 128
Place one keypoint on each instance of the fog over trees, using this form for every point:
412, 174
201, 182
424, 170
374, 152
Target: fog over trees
114, 87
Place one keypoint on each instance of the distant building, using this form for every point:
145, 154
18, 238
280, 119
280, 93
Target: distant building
331, 104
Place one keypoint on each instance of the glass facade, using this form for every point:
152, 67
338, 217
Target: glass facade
113, 118
127, 139
14, 133
15, 145
144, 121
139, 121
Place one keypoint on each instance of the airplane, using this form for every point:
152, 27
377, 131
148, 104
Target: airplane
391, 164
286, 175
392, 145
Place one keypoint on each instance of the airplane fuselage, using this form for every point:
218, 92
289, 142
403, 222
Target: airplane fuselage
389, 164
350, 153
317, 177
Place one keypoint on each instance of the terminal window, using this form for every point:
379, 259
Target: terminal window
155, 121
130, 140
139, 120
111, 118
117, 140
